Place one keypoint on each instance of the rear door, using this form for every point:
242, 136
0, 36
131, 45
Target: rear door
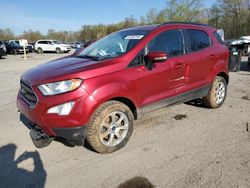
41, 44
200, 56
50, 46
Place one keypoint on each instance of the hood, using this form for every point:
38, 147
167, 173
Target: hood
67, 68
240, 41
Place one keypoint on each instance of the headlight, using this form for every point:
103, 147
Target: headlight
60, 87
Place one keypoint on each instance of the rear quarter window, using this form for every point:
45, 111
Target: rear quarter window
198, 40
217, 36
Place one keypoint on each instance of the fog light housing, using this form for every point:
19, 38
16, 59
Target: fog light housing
62, 109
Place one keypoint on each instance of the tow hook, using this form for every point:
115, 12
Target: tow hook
40, 139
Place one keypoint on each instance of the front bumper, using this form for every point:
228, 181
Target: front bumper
74, 136
72, 127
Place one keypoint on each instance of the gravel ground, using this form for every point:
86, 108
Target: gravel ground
179, 146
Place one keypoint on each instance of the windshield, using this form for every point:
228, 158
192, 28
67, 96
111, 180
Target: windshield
113, 45
12, 43
57, 42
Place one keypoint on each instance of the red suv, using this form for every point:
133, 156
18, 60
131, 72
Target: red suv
96, 94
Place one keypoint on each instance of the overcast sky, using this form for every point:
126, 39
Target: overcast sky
71, 15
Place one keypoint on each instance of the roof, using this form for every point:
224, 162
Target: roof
151, 27
186, 23
141, 27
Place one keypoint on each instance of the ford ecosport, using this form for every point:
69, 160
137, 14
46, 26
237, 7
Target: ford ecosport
96, 94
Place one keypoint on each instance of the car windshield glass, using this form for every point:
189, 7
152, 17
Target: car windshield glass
57, 42
113, 45
12, 43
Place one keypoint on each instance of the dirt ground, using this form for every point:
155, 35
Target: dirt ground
179, 146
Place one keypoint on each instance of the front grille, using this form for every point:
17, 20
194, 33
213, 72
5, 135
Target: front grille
28, 94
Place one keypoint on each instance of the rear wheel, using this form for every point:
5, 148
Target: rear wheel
58, 50
217, 93
40, 50
110, 127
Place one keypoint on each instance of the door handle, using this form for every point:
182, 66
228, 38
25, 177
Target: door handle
212, 57
178, 65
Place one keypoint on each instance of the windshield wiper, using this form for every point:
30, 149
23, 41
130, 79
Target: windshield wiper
95, 58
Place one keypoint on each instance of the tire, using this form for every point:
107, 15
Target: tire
104, 127
13, 52
40, 50
217, 93
58, 51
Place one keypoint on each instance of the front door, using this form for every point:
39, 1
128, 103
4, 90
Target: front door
163, 80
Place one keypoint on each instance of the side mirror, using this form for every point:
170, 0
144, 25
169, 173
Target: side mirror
154, 57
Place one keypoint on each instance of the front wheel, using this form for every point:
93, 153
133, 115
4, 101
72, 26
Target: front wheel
217, 93
58, 51
110, 127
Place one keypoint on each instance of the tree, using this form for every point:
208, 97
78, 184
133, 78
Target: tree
183, 10
31, 35
231, 15
6, 34
151, 16
130, 21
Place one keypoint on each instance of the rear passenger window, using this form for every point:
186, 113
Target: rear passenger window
42, 42
198, 40
170, 42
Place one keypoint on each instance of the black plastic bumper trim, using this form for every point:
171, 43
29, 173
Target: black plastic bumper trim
74, 135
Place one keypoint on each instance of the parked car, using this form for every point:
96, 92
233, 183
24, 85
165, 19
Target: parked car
14, 48
51, 46
29, 47
77, 45
86, 44
98, 93
228, 42
245, 42
2, 49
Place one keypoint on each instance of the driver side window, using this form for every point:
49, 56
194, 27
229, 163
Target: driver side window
170, 42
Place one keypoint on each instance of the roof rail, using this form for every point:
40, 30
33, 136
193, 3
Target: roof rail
193, 23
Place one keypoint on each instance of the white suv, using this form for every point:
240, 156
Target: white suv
51, 46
